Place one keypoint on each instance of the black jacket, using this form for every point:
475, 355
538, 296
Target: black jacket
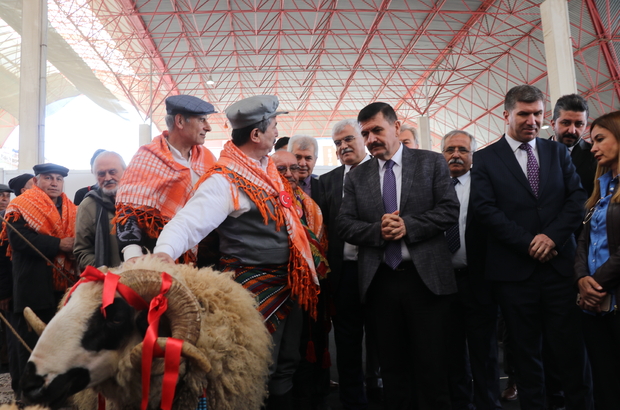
608, 274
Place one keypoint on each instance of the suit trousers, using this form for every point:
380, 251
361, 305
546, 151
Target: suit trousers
545, 302
602, 334
285, 353
412, 326
473, 350
349, 334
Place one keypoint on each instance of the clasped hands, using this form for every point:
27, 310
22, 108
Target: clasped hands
392, 227
591, 293
542, 248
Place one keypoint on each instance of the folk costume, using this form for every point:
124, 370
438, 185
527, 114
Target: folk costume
35, 283
153, 189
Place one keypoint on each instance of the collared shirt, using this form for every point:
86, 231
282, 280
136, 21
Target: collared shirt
521, 154
211, 204
350, 251
459, 258
179, 159
398, 175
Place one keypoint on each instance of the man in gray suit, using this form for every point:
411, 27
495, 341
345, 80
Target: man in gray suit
396, 208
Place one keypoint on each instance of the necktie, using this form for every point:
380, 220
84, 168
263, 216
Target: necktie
393, 255
533, 175
453, 234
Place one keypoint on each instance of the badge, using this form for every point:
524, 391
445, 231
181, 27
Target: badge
285, 199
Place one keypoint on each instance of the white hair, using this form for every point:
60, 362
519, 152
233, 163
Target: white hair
303, 142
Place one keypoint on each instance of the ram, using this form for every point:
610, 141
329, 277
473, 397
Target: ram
226, 348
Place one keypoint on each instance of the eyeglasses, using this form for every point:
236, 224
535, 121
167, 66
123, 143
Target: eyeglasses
348, 139
591, 212
282, 168
461, 150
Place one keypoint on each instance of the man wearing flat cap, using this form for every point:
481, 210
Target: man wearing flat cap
45, 217
21, 183
160, 177
262, 239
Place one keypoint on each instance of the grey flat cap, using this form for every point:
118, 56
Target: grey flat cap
252, 110
188, 104
5, 188
50, 169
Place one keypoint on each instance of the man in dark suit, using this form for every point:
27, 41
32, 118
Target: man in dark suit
348, 316
528, 197
306, 150
570, 120
473, 340
396, 208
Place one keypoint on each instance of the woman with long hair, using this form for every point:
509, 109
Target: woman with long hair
597, 266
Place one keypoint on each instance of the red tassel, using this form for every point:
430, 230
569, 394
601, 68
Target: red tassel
327, 360
310, 354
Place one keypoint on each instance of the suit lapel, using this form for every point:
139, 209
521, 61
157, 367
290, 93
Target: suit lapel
410, 169
375, 186
507, 156
337, 189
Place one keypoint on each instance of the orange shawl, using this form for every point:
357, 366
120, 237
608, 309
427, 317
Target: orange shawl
154, 186
41, 215
264, 187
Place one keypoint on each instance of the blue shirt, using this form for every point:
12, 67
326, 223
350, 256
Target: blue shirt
598, 251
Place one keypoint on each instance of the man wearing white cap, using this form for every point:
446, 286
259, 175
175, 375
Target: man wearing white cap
262, 239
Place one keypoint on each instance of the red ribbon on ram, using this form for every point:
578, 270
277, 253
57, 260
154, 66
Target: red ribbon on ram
150, 350
111, 285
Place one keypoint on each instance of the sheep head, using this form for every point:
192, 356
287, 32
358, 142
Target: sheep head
83, 344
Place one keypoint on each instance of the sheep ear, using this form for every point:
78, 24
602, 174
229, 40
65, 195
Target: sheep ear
33, 320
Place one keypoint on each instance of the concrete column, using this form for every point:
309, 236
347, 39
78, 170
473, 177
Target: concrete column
145, 134
424, 131
558, 49
32, 83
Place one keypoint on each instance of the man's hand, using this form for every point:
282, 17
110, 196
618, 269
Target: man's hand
66, 244
4, 304
591, 294
393, 227
542, 248
164, 257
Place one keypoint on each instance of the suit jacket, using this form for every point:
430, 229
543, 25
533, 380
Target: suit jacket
505, 204
330, 194
585, 164
315, 188
428, 206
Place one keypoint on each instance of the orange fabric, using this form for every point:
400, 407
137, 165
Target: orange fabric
317, 239
154, 186
263, 188
41, 215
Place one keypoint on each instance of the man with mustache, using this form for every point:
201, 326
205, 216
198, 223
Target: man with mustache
95, 245
570, 120
160, 177
473, 343
396, 208
527, 196
348, 319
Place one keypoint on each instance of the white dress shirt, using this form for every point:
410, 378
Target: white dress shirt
350, 251
179, 159
398, 174
211, 204
459, 258
521, 154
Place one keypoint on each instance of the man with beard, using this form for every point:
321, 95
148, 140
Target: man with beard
570, 120
95, 245
473, 343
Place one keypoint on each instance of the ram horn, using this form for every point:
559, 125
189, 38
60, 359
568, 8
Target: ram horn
183, 307
188, 351
33, 320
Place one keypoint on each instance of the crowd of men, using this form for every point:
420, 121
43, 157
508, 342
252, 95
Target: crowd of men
414, 251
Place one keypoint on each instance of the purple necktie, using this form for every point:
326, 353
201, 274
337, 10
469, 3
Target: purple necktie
453, 234
393, 255
533, 175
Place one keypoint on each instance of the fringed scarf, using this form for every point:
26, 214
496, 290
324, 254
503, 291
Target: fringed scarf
154, 186
312, 220
41, 215
268, 187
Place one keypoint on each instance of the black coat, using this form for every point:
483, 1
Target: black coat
32, 276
